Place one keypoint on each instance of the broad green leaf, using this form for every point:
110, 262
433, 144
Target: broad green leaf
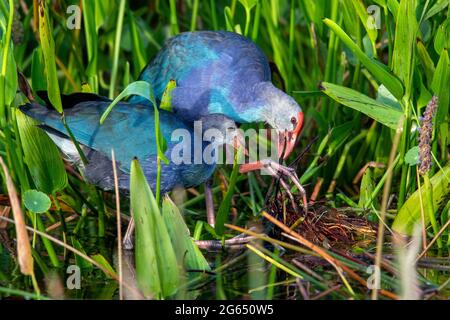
385, 97
36, 201
378, 70
187, 252
37, 71
424, 97
41, 156
412, 156
436, 8
48, 50
405, 40
410, 213
366, 189
378, 111
157, 271
441, 38
426, 61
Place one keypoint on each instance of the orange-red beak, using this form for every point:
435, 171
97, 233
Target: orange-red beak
287, 140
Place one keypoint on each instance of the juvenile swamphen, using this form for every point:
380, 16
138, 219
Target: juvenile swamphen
130, 131
223, 72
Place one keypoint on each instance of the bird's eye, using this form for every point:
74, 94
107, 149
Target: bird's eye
231, 128
294, 120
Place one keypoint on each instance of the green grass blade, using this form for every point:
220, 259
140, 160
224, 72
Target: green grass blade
139, 57
48, 50
224, 209
378, 70
41, 156
187, 252
118, 37
405, 39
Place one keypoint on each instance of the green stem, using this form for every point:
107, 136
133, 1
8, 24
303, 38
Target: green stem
291, 47
5, 64
403, 149
194, 15
430, 209
381, 182
117, 48
256, 22
47, 244
214, 14
36, 286
173, 18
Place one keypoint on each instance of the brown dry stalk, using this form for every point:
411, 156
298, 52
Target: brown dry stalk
268, 239
384, 205
58, 224
323, 253
119, 224
4, 212
23, 242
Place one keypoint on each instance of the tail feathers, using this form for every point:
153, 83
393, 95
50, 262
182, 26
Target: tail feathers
38, 112
50, 120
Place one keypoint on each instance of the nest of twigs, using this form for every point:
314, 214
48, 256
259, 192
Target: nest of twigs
323, 225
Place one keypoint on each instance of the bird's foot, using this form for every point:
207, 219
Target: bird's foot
278, 171
236, 243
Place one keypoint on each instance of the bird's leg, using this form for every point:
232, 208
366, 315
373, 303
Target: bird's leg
283, 184
210, 216
235, 243
128, 238
231, 244
276, 169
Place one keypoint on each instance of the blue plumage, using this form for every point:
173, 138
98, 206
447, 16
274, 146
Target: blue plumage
222, 72
214, 71
130, 130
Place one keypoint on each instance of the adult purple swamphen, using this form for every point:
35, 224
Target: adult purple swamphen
223, 72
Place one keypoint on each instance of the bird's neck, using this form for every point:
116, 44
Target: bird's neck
266, 95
